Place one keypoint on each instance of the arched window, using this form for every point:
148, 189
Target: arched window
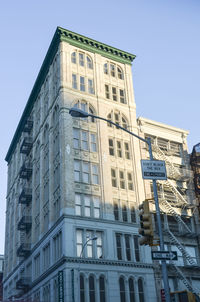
82, 289
133, 214
116, 211
91, 289
102, 291
89, 63
122, 290
118, 118
120, 73
131, 289
141, 290
85, 106
73, 57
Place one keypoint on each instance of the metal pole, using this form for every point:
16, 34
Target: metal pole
162, 248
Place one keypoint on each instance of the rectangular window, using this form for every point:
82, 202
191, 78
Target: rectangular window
111, 147
119, 149
79, 242
130, 181
82, 83
96, 205
119, 246
78, 204
87, 205
89, 248
84, 140
128, 247
74, 81
114, 177
81, 59
121, 180
112, 70
46, 256
127, 150
107, 93
73, 57
37, 265
57, 246
76, 142
95, 174
114, 94
93, 142
90, 86
99, 245
86, 172
116, 210
77, 171
122, 96
162, 144
137, 251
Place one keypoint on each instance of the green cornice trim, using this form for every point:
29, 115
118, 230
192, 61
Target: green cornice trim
74, 39
95, 46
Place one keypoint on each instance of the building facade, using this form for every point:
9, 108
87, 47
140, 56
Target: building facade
74, 185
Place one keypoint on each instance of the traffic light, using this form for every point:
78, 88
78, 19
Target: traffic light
146, 226
183, 296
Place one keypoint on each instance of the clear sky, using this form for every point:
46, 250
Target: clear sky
164, 35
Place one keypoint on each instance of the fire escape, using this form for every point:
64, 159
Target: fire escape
25, 198
173, 205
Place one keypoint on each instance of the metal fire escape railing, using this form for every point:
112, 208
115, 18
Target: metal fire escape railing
175, 173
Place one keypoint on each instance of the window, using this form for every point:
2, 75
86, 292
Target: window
122, 180
86, 247
114, 177
102, 292
89, 63
90, 86
122, 96
111, 147
91, 289
119, 246
141, 290
133, 214
118, 118
127, 150
130, 181
122, 290
107, 92
46, 257
86, 172
124, 213
81, 59
127, 247
105, 68
131, 289
57, 246
85, 106
73, 57
82, 83
119, 149
116, 211
95, 174
120, 73
84, 140
114, 94
78, 204
37, 265
82, 289
112, 70
74, 81
77, 172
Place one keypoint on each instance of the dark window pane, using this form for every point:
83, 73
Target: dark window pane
122, 290
82, 289
102, 289
119, 247
131, 290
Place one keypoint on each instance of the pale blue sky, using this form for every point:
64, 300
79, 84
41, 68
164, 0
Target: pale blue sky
164, 35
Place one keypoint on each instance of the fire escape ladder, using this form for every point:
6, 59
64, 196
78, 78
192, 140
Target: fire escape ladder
159, 154
166, 205
184, 280
181, 200
181, 248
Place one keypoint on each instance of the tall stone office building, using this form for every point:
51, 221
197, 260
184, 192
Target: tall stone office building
74, 185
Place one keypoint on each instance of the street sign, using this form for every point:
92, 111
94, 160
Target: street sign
164, 255
153, 169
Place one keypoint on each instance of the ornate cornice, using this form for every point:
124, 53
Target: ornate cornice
77, 40
95, 46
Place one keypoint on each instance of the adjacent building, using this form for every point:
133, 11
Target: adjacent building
74, 186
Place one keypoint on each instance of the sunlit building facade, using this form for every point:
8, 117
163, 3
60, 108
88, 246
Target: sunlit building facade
74, 185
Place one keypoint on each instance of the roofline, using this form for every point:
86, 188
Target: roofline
148, 121
77, 40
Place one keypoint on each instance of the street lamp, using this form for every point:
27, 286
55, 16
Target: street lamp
89, 239
76, 112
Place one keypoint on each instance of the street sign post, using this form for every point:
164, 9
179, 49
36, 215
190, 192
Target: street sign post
153, 169
164, 255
